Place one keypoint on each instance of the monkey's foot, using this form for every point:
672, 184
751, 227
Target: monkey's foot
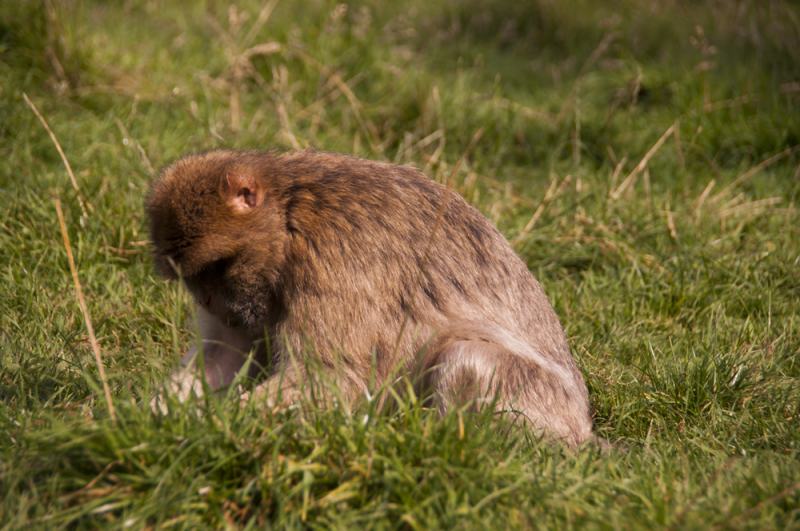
275, 393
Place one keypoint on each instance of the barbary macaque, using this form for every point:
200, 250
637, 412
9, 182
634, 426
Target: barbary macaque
367, 267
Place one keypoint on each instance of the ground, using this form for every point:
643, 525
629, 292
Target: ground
642, 157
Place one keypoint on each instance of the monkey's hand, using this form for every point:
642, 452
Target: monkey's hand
183, 384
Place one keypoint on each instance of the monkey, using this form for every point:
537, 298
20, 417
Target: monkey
367, 268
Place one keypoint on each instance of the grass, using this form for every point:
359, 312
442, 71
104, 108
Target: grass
642, 156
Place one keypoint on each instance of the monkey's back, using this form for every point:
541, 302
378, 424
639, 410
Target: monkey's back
409, 250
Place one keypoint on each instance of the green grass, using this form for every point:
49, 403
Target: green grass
679, 288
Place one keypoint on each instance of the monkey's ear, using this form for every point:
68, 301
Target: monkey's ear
242, 191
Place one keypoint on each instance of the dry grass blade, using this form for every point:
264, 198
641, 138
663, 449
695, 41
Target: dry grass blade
729, 103
525, 111
286, 126
673, 231
630, 179
676, 135
617, 171
553, 191
265, 48
476, 136
790, 87
698, 206
85, 310
750, 208
127, 139
368, 128
240, 61
769, 161
61, 153
262, 18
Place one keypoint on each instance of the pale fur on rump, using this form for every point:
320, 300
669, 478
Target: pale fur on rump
474, 360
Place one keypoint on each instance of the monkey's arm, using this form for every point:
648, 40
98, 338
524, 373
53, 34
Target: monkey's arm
225, 351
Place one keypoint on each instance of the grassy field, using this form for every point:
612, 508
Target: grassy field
642, 157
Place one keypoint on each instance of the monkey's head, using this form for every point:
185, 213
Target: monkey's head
217, 221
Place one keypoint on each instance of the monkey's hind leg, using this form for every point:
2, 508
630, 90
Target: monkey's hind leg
476, 365
278, 391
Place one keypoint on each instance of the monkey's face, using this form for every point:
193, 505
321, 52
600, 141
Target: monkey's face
215, 224
211, 288
239, 291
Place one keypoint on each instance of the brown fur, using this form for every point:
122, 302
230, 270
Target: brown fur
374, 266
